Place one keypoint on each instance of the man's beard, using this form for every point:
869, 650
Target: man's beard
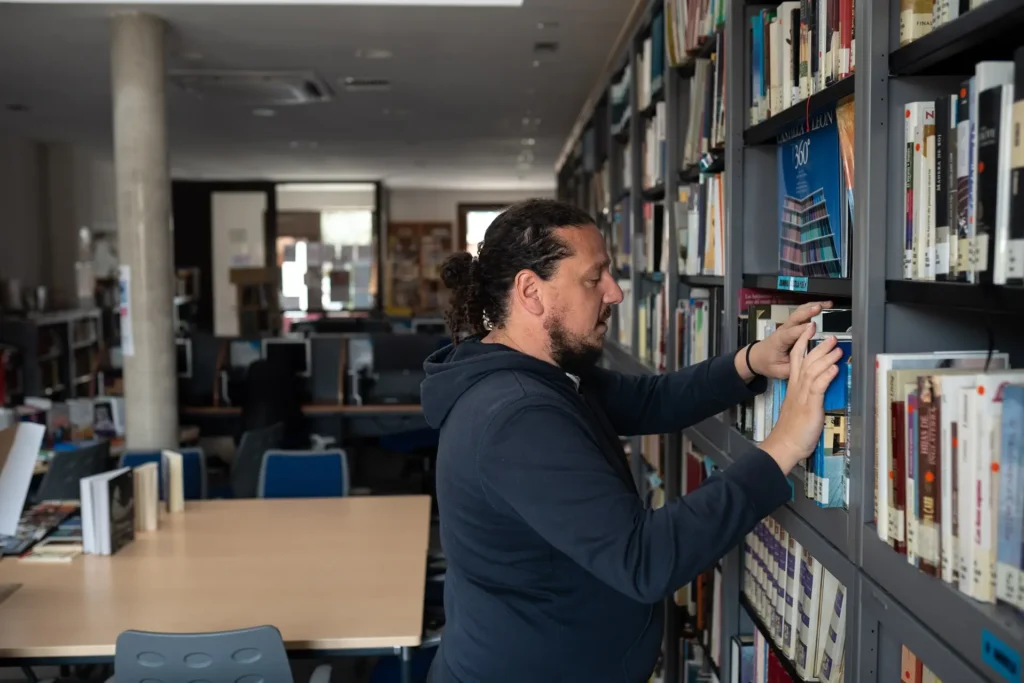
573, 353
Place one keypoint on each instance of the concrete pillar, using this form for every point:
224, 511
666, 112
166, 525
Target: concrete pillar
144, 230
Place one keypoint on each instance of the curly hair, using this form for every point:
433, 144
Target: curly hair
522, 237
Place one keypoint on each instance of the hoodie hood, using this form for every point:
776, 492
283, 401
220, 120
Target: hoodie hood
455, 369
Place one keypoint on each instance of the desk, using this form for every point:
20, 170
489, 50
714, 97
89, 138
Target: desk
330, 419
337, 576
376, 410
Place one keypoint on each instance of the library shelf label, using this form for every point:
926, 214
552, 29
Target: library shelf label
1001, 657
791, 284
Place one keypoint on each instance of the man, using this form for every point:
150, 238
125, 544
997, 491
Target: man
556, 571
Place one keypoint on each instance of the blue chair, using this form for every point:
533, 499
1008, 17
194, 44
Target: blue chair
193, 464
252, 654
303, 474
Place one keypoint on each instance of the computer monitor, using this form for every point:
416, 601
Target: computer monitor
184, 349
293, 352
243, 352
403, 352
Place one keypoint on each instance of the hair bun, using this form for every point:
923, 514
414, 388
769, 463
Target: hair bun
457, 270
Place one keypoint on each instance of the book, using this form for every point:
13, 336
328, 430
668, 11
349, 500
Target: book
146, 488
174, 482
812, 239
19, 449
108, 511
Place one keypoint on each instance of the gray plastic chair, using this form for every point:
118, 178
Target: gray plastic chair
245, 471
67, 468
251, 655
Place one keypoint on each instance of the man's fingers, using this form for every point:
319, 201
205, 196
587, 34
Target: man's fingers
789, 335
799, 350
814, 369
805, 312
822, 348
821, 382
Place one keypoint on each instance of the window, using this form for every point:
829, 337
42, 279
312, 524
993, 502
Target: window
474, 221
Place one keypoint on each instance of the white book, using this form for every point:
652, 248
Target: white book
19, 451
775, 65
1002, 227
913, 119
809, 608
923, 117
966, 459
826, 606
950, 386
929, 199
793, 588
174, 481
831, 669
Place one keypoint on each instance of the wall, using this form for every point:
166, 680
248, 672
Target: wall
48, 190
320, 197
443, 205
238, 241
21, 235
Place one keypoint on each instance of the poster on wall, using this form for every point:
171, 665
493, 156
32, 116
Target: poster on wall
124, 282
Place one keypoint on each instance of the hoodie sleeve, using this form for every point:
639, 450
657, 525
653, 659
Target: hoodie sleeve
673, 401
540, 464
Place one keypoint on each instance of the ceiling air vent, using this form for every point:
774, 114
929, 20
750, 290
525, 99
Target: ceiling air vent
253, 88
353, 84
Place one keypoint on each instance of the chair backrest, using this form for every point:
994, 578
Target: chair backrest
304, 474
252, 654
67, 468
245, 471
193, 461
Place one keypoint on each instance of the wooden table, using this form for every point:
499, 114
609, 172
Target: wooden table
372, 410
337, 576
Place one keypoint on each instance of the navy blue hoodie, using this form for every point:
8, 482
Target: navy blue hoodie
556, 570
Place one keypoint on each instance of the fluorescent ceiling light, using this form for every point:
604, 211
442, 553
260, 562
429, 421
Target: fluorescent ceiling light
292, 3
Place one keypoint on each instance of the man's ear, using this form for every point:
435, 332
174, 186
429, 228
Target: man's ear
527, 292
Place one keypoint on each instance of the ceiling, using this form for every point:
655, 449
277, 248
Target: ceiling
465, 99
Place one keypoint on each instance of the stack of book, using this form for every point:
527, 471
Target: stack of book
799, 48
800, 604
949, 446
963, 205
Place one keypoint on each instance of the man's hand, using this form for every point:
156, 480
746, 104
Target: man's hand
802, 415
771, 357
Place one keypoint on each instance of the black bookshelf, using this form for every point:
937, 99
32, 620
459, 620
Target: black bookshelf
654, 194
657, 95
765, 133
816, 286
702, 280
760, 626
690, 174
986, 298
706, 49
991, 31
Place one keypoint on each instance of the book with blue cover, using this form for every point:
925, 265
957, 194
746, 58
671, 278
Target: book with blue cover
813, 202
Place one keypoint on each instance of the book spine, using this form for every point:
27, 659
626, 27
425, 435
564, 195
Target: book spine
963, 183
940, 197
987, 170
929, 500
1015, 248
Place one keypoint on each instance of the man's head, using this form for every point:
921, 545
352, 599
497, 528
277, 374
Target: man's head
542, 277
